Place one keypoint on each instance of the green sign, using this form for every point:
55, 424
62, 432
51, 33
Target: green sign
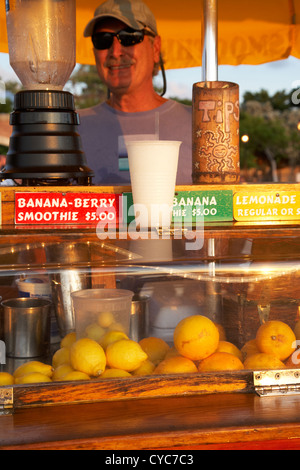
212, 206
192, 206
128, 212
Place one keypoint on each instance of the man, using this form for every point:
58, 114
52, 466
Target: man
127, 51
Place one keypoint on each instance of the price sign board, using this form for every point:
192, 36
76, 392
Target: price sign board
212, 205
190, 206
263, 205
70, 208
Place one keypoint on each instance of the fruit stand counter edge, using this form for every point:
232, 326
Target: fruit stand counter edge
216, 421
131, 388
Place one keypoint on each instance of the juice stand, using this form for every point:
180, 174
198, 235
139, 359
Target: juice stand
230, 255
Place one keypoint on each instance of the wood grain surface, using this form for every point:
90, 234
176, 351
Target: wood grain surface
221, 421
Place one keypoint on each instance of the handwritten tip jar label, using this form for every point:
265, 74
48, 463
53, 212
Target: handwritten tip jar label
216, 156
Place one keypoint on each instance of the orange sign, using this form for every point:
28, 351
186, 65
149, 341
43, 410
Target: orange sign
261, 206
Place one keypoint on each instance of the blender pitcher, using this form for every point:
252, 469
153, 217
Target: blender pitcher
45, 146
41, 41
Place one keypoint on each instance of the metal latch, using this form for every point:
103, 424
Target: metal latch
277, 382
6, 400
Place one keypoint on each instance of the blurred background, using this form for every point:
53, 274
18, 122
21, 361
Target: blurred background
269, 105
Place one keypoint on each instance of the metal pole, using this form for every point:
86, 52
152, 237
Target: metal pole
210, 40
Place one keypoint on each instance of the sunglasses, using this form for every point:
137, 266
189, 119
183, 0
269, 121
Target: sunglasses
126, 37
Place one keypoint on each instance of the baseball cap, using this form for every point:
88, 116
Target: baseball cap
134, 13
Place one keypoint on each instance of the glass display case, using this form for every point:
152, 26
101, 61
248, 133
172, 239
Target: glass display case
240, 278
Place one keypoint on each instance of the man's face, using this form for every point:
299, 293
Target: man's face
126, 69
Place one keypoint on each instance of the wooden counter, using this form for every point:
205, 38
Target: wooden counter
8, 194
221, 421
239, 420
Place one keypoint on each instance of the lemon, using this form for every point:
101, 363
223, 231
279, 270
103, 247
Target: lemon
88, 356
146, 368
109, 373
76, 375
32, 377
61, 356
61, 371
110, 337
68, 340
94, 331
125, 354
33, 367
105, 319
116, 326
155, 348
6, 379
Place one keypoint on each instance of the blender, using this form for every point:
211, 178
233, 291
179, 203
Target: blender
45, 146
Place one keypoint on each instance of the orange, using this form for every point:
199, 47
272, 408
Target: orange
226, 346
220, 361
293, 362
155, 348
277, 338
262, 361
250, 348
172, 352
176, 365
221, 332
196, 337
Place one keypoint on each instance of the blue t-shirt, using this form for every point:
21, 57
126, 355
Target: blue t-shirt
104, 132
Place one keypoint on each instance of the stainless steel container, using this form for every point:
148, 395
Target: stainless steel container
139, 319
1, 322
27, 327
73, 261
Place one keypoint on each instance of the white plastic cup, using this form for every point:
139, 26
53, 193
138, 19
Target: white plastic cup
153, 168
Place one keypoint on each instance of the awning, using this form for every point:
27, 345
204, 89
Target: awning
250, 32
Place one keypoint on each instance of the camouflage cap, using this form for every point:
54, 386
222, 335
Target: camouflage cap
134, 13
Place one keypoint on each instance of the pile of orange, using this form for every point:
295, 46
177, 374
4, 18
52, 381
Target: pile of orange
197, 338
273, 348
200, 345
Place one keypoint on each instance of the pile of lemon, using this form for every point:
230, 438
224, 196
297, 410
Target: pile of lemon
200, 345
